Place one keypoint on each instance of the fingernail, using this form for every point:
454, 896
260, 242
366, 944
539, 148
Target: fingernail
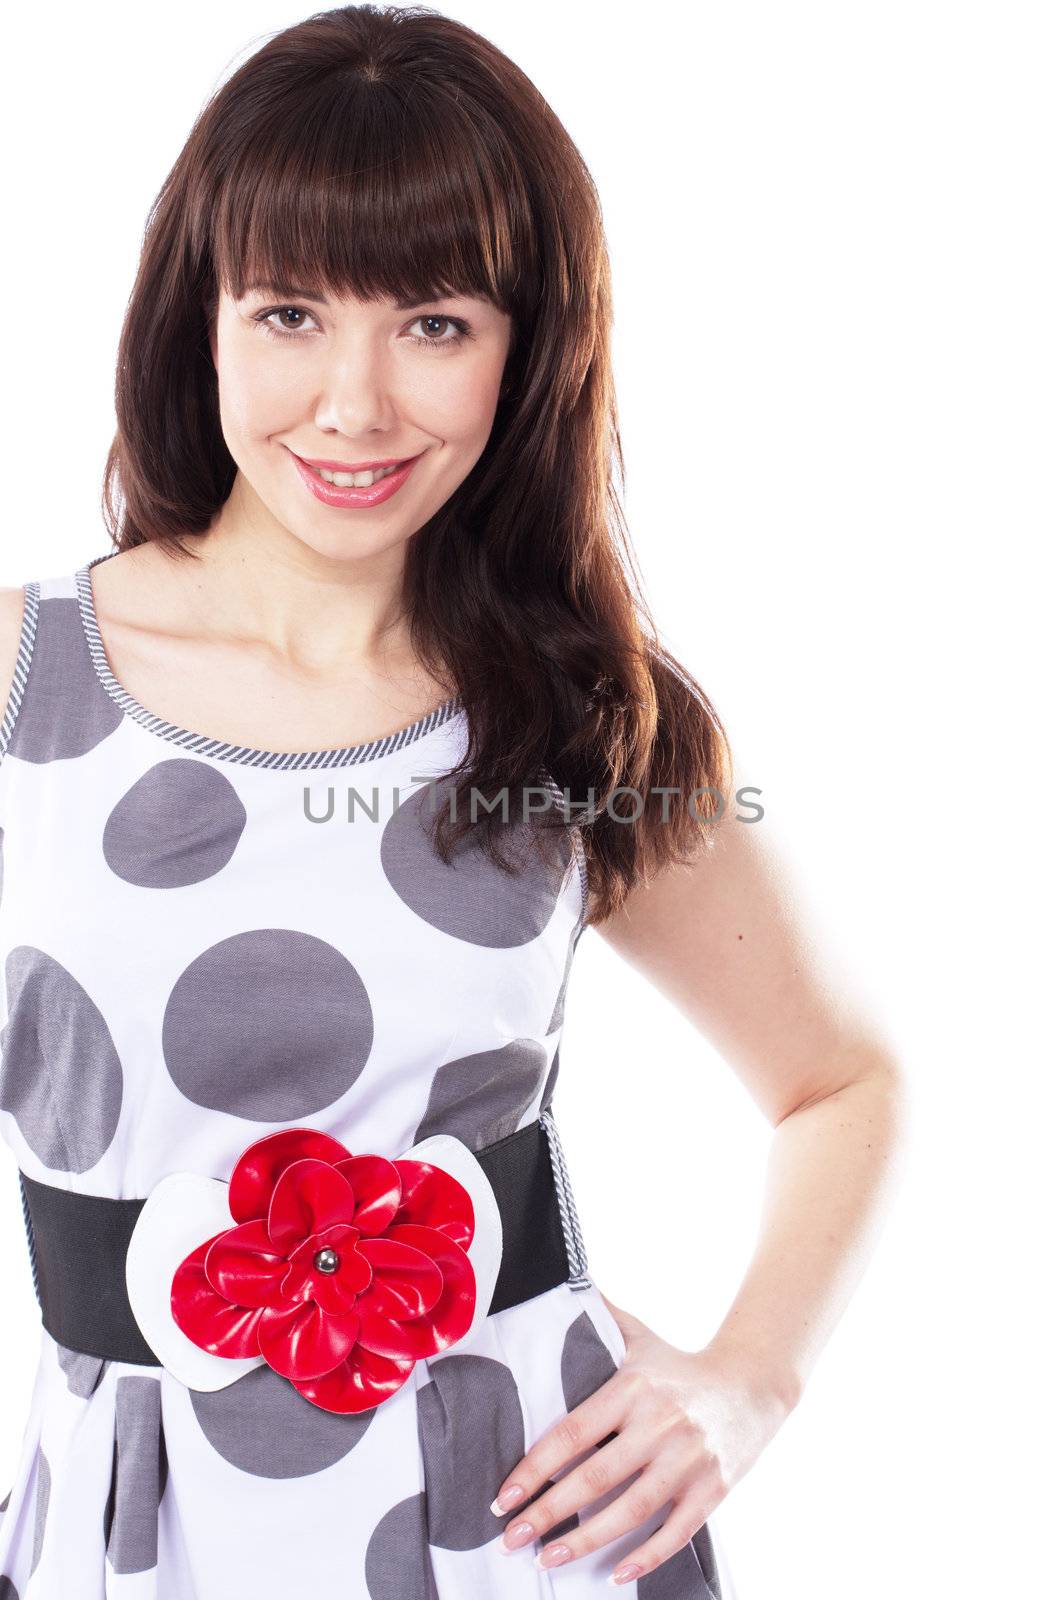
515, 1536
553, 1555
623, 1574
504, 1502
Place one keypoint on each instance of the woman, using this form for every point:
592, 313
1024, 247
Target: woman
280, 1049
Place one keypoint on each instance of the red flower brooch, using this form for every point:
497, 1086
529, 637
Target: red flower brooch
341, 1270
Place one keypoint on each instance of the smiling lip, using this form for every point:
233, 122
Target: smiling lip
330, 494
359, 466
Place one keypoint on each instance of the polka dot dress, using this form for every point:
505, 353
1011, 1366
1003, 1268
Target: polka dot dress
203, 943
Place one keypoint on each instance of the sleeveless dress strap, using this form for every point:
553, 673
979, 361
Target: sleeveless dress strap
31, 593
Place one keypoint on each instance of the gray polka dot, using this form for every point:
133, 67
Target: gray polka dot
40, 1513
482, 1097
397, 1562
262, 1425
471, 1435
139, 1471
7, 1589
471, 898
585, 1366
252, 1005
83, 1372
66, 1114
177, 825
65, 709
586, 1363
691, 1573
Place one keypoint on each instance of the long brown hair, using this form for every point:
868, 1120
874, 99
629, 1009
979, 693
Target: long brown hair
391, 151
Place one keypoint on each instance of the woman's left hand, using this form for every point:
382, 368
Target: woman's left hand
684, 1426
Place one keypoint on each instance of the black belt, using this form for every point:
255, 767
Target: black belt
78, 1243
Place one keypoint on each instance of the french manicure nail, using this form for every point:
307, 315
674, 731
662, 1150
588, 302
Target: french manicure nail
504, 1502
552, 1556
516, 1536
623, 1574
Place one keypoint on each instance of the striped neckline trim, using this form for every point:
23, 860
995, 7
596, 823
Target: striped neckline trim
290, 760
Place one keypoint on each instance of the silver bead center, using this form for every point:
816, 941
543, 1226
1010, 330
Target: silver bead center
326, 1260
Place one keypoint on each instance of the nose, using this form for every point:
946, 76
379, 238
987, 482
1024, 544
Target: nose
357, 388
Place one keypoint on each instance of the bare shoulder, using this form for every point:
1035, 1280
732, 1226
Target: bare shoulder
11, 606
714, 889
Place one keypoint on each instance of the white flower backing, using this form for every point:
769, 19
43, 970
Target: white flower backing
184, 1209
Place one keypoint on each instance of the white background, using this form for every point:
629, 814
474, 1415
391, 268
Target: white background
834, 238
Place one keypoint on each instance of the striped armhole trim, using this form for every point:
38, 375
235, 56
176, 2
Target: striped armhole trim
26, 637
579, 846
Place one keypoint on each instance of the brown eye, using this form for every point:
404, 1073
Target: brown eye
264, 318
433, 319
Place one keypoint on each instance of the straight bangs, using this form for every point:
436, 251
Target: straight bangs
354, 187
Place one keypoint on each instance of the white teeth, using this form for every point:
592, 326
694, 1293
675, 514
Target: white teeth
356, 480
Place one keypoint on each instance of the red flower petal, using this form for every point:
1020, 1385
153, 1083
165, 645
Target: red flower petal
242, 1266
406, 1281
298, 1284
255, 1173
334, 1292
358, 1383
446, 1321
209, 1320
301, 1341
376, 1183
332, 1296
340, 1237
309, 1196
355, 1271
433, 1198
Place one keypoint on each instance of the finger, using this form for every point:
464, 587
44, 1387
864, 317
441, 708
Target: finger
647, 1494
685, 1520
608, 1467
594, 1422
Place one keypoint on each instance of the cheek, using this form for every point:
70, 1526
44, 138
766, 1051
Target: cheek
255, 394
458, 402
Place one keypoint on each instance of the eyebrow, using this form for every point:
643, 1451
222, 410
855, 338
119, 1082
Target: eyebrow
285, 290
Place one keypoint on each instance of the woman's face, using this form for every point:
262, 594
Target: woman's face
347, 381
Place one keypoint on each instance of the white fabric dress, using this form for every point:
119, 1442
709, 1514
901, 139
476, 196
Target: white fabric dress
189, 963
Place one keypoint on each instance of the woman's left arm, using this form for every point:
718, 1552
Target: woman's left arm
727, 940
